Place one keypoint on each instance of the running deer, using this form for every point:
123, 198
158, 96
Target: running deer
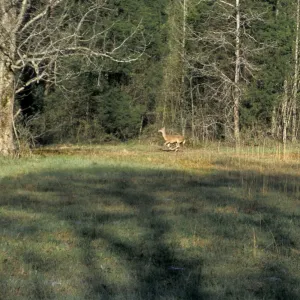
172, 139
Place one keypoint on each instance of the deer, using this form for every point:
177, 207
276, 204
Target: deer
171, 139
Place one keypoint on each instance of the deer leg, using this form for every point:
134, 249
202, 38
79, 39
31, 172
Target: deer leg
174, 148
177, 147
168, 144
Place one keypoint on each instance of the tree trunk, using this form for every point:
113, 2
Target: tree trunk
236, 102
274, 122
183, 74
284, 116
7, 41
296, 71
6, 109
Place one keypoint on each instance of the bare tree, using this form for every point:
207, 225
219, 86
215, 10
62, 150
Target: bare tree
296, 75
40, 34
237, 96
285, 115
223, 63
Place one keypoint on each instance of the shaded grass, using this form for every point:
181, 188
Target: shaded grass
126, 223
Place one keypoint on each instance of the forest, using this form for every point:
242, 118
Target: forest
74, 71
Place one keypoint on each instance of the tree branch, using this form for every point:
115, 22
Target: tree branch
24, 7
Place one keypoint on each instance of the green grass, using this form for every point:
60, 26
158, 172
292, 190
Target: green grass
134, 222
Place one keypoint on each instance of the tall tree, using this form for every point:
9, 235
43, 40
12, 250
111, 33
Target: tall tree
296, 75
237, 96
220, 52
172, 104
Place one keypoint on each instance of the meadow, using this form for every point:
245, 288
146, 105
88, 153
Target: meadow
136, 222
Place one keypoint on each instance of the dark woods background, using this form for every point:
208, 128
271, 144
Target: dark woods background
185, 79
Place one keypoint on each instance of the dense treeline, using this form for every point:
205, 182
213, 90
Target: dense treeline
213, 70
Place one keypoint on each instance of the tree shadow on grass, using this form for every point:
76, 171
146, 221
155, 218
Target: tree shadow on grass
125, 233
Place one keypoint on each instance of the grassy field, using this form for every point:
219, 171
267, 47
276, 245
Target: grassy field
135, 222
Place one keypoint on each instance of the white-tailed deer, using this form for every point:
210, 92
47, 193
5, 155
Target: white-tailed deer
172, 139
